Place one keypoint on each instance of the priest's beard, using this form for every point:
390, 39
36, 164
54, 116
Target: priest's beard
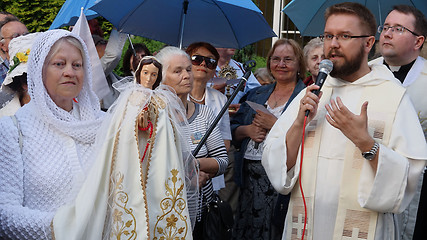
349, 66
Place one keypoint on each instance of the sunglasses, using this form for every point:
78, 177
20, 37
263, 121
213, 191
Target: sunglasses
197, 60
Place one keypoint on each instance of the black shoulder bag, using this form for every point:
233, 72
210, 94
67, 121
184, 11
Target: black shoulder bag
219, 220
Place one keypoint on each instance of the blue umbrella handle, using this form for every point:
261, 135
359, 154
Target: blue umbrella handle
131, 45
184, 14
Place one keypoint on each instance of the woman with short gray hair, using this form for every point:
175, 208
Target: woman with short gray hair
212, 158
313, 55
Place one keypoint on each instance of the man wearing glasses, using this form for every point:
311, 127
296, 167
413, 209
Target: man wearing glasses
401, 40
364, 149
10, 28
4, 63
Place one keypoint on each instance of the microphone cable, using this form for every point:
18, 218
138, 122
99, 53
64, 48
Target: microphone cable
326, 67
300, 184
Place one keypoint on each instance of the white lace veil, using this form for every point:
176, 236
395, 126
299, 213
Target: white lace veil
83, 128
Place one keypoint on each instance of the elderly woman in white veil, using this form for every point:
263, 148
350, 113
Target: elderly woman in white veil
46, 147
144, 184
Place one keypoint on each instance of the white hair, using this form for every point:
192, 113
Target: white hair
312, 44
166, 53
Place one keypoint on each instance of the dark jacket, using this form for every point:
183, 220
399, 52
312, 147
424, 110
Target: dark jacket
245, 117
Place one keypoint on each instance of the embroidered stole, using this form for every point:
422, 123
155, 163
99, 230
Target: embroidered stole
352, 221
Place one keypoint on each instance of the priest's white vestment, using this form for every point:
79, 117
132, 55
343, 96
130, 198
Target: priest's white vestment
345, 198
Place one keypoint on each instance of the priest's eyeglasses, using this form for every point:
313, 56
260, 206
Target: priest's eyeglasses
398, 29
340, 37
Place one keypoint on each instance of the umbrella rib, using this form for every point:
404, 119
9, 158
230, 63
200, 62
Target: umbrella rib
87, 2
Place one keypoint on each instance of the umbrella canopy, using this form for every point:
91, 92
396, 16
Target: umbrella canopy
70, 12
310, 20
223, 23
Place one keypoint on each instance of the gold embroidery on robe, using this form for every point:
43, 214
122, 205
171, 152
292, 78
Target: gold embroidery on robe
124, 222
172, 207
145, 164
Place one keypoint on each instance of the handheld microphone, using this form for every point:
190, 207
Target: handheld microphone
326, 67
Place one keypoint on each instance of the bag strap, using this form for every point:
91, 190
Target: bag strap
16, 123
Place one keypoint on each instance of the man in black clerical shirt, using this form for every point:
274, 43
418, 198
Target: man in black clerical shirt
401, 38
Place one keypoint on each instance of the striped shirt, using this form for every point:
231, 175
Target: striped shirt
214, 147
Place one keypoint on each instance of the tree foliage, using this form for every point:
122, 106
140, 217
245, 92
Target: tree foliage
37, 15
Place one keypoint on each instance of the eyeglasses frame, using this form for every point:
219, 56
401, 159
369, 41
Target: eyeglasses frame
340, 37
393, 28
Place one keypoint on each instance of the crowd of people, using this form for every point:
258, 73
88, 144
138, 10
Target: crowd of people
346, 163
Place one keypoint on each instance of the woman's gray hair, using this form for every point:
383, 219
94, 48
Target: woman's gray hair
312, 44
264, 75
58, 45
166, 53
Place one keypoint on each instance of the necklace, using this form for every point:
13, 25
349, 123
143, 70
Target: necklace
198, 100
278, 99
274, 101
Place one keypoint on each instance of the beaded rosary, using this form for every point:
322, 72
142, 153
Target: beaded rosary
149, 126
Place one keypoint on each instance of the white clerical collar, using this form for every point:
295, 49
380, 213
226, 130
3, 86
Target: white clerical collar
394, 68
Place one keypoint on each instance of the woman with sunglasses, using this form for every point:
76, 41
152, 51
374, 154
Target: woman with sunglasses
204, 58
257, 200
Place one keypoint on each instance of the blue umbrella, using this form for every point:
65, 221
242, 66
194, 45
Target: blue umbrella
223, 23
310, 20
70, 12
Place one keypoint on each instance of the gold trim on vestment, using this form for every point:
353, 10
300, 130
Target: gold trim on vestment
175, 204
116, 230
124, 222
152, 113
